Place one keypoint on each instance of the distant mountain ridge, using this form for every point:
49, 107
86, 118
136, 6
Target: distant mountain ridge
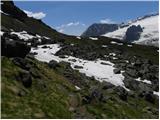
98, 29
149, 35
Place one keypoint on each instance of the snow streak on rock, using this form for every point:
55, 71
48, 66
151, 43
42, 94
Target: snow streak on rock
23, 35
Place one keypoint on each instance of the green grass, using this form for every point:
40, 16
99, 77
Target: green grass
51, 102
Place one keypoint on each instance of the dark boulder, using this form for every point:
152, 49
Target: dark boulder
34, 42
95, 95
122, 93
148, 96
103, 63
22, 63
53, 64
11, 48
44, 47
132, 73
62, 56
106, 85
117, 71
138, 63
136, 85
78, 67
73, 60
131, 84
25, 78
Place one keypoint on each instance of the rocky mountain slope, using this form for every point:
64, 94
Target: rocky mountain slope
98, 29
51, 75
15, 19
149, 35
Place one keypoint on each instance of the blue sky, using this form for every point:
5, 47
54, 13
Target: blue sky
74, 17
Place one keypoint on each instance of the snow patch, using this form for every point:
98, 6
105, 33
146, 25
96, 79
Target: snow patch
129, 45
156, 93
104, 46
23, 35
3, 12
72, 44
114, 58
78, 37
1, 33
77, 88
145, 81
112, 54
38, 36
99, 71
113, 42
93, 38
46, 37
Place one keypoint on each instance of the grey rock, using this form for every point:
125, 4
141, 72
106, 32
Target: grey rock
25, 77
22, 63
53, 64
78, 67
117, 71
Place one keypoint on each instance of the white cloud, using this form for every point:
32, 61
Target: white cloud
106, 21
36, 15
71, 24
72, 28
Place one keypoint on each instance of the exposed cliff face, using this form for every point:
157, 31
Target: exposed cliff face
133, 33
98, 29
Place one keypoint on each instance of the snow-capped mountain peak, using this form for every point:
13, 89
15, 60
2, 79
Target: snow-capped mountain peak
149, 35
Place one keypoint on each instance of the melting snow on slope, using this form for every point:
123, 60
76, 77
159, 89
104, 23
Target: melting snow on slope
1, 33
150, 31
3, 12
93, 38
129, 45
156, 93
145, 81
77, 88
78, 37
23, 35
113, 42
46, 37
100, 71
104, 46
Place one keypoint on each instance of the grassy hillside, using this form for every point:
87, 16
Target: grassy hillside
52, 95
47, 98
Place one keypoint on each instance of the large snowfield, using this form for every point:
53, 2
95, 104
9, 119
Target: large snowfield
90, 68
101, 72
150, 30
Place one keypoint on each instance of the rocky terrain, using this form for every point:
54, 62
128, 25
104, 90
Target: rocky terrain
52, 75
